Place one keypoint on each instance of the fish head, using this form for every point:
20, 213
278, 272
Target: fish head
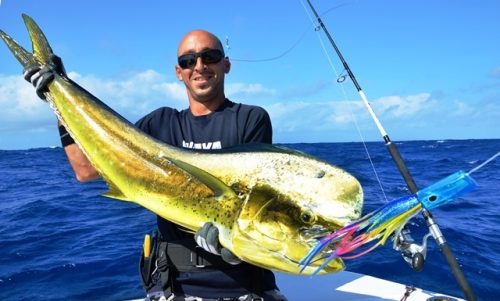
279, 224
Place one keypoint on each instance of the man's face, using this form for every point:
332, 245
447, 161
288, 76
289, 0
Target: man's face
204, 81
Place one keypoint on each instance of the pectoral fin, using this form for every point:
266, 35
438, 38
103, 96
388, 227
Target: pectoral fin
218, 187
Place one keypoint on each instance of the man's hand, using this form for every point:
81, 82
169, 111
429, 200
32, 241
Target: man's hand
41, 76
208, 238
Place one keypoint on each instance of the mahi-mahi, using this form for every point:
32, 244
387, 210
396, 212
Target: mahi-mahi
269, 203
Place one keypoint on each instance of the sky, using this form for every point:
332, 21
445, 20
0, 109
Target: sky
430, 69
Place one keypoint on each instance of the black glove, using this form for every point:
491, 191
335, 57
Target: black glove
208, 238
41, 76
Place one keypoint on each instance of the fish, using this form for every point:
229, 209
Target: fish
373, 229
269, 203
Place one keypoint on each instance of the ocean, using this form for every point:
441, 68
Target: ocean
61, 240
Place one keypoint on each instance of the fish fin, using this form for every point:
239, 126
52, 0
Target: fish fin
218, 187
22, 55
186, 230
114, 192
41, 48
42, 52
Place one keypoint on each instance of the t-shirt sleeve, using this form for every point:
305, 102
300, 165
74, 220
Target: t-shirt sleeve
258, 127
144, 123
152, 122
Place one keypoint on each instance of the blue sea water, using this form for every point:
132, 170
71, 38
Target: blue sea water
60, 240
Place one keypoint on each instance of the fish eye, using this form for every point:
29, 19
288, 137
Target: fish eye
307, 217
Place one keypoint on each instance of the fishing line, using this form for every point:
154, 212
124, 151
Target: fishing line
484, 163
340, 79
271, 58
294, 45
405, 173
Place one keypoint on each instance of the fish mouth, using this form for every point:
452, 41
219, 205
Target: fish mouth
323, 262
315, 232
321, 257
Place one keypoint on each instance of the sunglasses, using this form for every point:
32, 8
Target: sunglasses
209, 56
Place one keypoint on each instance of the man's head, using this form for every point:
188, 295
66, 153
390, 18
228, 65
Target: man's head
202, 67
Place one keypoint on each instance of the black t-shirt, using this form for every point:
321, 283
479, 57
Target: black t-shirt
230, 125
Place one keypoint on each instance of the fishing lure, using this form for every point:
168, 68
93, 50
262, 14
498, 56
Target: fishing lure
380, 224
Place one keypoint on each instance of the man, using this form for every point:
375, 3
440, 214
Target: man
190, 268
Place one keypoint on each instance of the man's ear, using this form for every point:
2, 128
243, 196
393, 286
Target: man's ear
227, 65
178, 72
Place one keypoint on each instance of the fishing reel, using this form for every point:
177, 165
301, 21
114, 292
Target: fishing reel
413, 253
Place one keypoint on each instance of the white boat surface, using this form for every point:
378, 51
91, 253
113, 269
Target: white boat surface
350, 286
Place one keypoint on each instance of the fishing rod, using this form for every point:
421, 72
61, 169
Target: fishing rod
405, 243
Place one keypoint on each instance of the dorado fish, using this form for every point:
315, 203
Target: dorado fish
270, 204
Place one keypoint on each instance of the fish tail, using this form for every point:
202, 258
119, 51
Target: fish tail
22, 55
41, 48
42, 52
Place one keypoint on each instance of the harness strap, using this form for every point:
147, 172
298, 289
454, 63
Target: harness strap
163, 266
186, 256
257, 291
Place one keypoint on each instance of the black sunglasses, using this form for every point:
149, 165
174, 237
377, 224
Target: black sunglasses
209, 56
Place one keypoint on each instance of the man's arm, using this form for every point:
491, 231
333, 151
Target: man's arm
84, 171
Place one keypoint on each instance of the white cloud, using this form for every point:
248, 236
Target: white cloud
283, 115
335, 116
171, 90
346, 112
403, 106
312, 116
134, 95
235, 90
279, 110
463, 109
19, 103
